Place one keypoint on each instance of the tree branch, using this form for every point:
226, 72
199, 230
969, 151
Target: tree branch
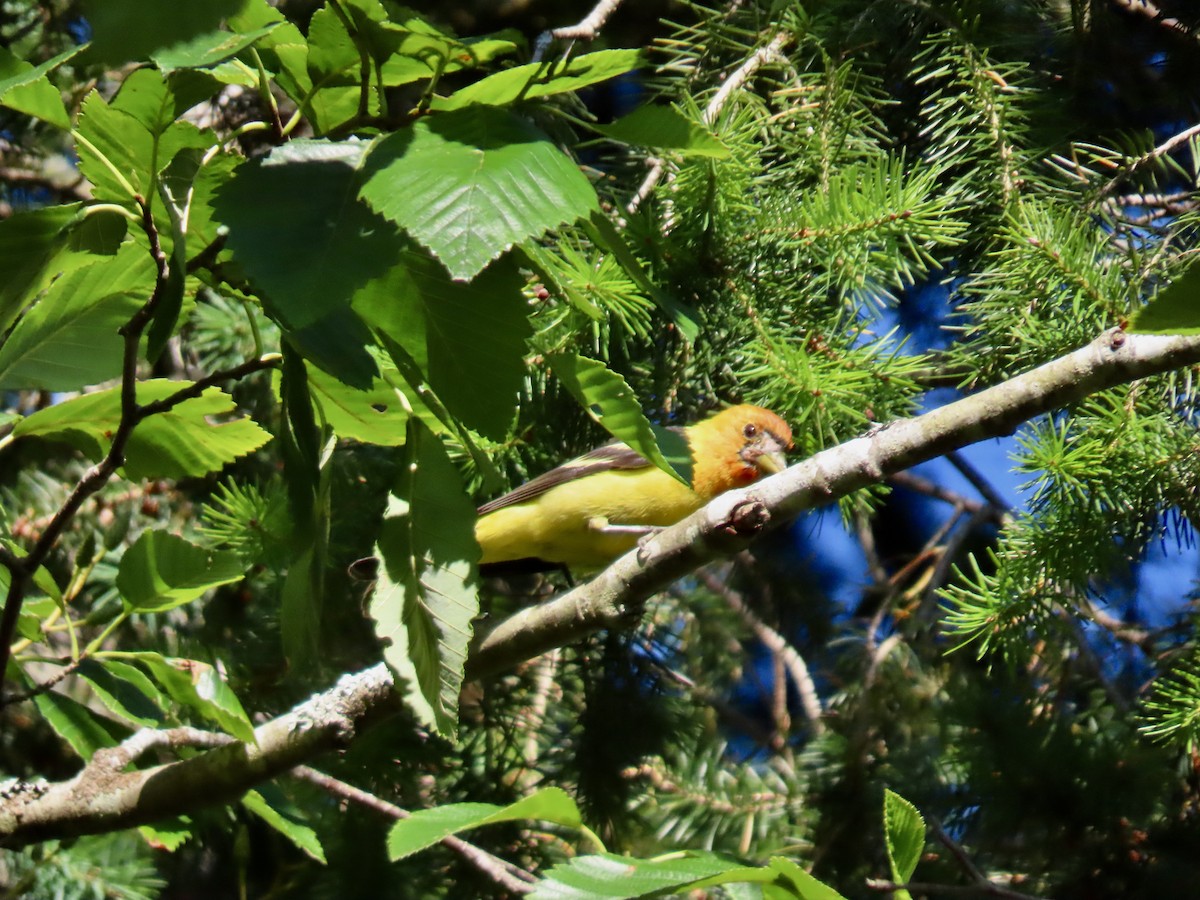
614, 598
103, 797
100, 799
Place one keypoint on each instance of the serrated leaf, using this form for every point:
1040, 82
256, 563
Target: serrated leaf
805, 885
470, 184
425, 600
179, 443
162, 571
904, 833
169, 834
70, 338
468, 340
299, 232
611, 402
429, 826
337, 343
665, 128
374, 416
125, 30
29, 243
207, 49
1175, 309
124, 690
607, 876
123, 145
82, 729
25, 87
282, 819
199, 687
542, 79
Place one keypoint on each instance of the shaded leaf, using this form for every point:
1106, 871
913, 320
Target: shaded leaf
199, 687
125, 30
1174, 310
542, 79
70, 338
124, 690
607, 876
424, 600
282, 818
665, 128
162, 571
428, 826
611, 402
25, 87
179, 443
82, 729
299, 232
467, 340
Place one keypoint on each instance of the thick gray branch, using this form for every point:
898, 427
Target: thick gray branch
729, 523
104, 797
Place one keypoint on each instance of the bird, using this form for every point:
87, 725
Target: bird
585, 513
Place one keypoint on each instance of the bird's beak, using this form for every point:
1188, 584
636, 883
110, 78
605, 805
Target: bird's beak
768, 455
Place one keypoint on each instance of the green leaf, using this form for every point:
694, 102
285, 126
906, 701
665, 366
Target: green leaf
375, 416
806, 887
607, 876
904, 832
126, 30
124, 690
162, 571
179, 443
1175, 309
29, 243
207, 49
424, 600
467, 340
25, 87
611, 402
665, 128
199, 687
542, 79
338, 344
168, 834
429, 826
283, 51
123, 145
280, 816
69, 338
468, 185
300, 234
82, 729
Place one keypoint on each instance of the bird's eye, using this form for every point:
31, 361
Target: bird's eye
750, 430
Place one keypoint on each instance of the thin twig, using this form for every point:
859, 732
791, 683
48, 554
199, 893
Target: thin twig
1152, 12
586, 29
737, 79
1157, 153
977, 480
810, 700
22, 569
504, 873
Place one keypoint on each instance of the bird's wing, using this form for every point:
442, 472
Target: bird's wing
603, 459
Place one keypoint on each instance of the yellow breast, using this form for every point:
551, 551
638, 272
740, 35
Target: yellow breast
554, 526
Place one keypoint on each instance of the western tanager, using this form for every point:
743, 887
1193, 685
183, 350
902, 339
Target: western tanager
589, 511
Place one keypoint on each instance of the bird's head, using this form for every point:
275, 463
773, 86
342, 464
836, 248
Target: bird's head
745, 442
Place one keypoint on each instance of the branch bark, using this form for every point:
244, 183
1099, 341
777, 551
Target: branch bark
102, 797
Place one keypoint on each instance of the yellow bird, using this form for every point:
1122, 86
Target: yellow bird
589, 511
